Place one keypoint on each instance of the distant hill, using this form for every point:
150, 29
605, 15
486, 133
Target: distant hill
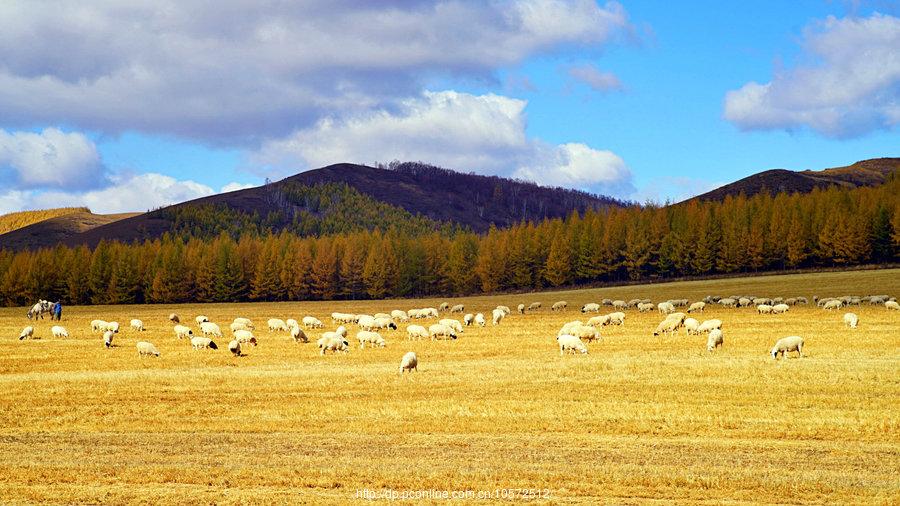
343, 196
865, 173
13, 221
57, 227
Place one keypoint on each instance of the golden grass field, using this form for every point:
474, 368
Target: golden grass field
640, 419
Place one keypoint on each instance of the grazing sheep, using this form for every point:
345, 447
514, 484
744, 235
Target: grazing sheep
312, 322
521, 308
235, 347
670, 324
568, 327
468, 319
210, 329
200, 319
559, 306
714, 340
409, 362
341, 318
298, 335
200, 343
235, 326
597, 321
459, 308
291, 323
58, 331
113, 327
850, 319
891, 304
174, 318
137, 325
833, 304
534, 306
245, 336
728, 302
497, 317
591, 307
366, 322
617, 318
744, 301
333, 342
585, 332
400, 316
697, 306
341, 331
665, 307
691, 325
382, 315
439, 331
144, 348
453, 324
444, 306
787, 344
645, 307
26, 332
479, 320
568, 342
108, 338
606, 302
428, 312
709, 325
181, 331
277, 324
780, 308
633, 303
416, 332
385, 323
505, 309
245, 321
619, 304
98, 326
373, 338
764, 309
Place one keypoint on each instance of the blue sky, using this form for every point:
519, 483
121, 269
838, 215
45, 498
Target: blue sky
641, 100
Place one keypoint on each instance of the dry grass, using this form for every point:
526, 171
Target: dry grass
639, 419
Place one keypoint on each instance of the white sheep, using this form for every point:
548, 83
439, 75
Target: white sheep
174, 318
245, 336
850, 319
787, 344
245, 322
645, 307
137, 325
567, 328
416, 332
373, 338
210, 329
691, 325
591, 307
505, 309
277, 324
200, 343
298, 335
559, 306
181, 331
438, 331
665, 307
617, 318
709, 325
26, 333
780, 308
382, 315
428, 312
764, 309
714, 340
235, 347
385, 323
98, 326
697, 306
400, 316
342, 318
585, 332
892, 305
521, 308
598, 321
144, 348
409, 362
312, 322
333, 342
366, 322
58, 331
534, 306
235, 326
479, 320
113, 327
568, 342
498, 315
341, 331
619, 304
108, 338
670, 324
459, 308
444, 306
201, 318
833, 304
728, 302
468, 319
291, 323
453, 324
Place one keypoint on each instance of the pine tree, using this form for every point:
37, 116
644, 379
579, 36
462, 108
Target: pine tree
558, 269
323, 276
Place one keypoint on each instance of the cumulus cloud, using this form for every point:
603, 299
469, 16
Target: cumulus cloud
596, 79
234, 72
234, 186
849, 86
132, 193
49, 159
479, 133
673, 189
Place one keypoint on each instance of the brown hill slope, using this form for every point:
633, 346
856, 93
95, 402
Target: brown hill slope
865, 173
13, 221
52, 231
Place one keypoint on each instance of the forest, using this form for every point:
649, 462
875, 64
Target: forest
833, 227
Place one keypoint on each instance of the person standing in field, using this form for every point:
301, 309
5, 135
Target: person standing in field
57, 311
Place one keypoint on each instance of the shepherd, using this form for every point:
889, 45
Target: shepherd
57, 311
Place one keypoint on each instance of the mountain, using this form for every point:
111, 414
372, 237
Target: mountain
13, 221
343, 197
865, 173
50, 227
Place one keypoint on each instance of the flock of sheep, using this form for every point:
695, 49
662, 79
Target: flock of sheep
571, 337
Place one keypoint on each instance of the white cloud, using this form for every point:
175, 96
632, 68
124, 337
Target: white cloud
595, 78
49, 159
234, 186
126, 194
849, 87
479, 133
673, 189
234, 72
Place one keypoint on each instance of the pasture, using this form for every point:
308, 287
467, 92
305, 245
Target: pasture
638, 419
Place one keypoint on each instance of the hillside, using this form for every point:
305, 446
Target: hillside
57, 229
864, 173
408, 195
14, 221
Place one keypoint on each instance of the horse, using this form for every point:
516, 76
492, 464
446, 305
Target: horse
38, 310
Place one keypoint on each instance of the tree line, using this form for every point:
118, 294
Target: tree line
830, 227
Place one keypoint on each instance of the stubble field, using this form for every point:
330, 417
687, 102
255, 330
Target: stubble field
639, 419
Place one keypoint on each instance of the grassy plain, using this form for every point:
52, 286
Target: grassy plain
640, 419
